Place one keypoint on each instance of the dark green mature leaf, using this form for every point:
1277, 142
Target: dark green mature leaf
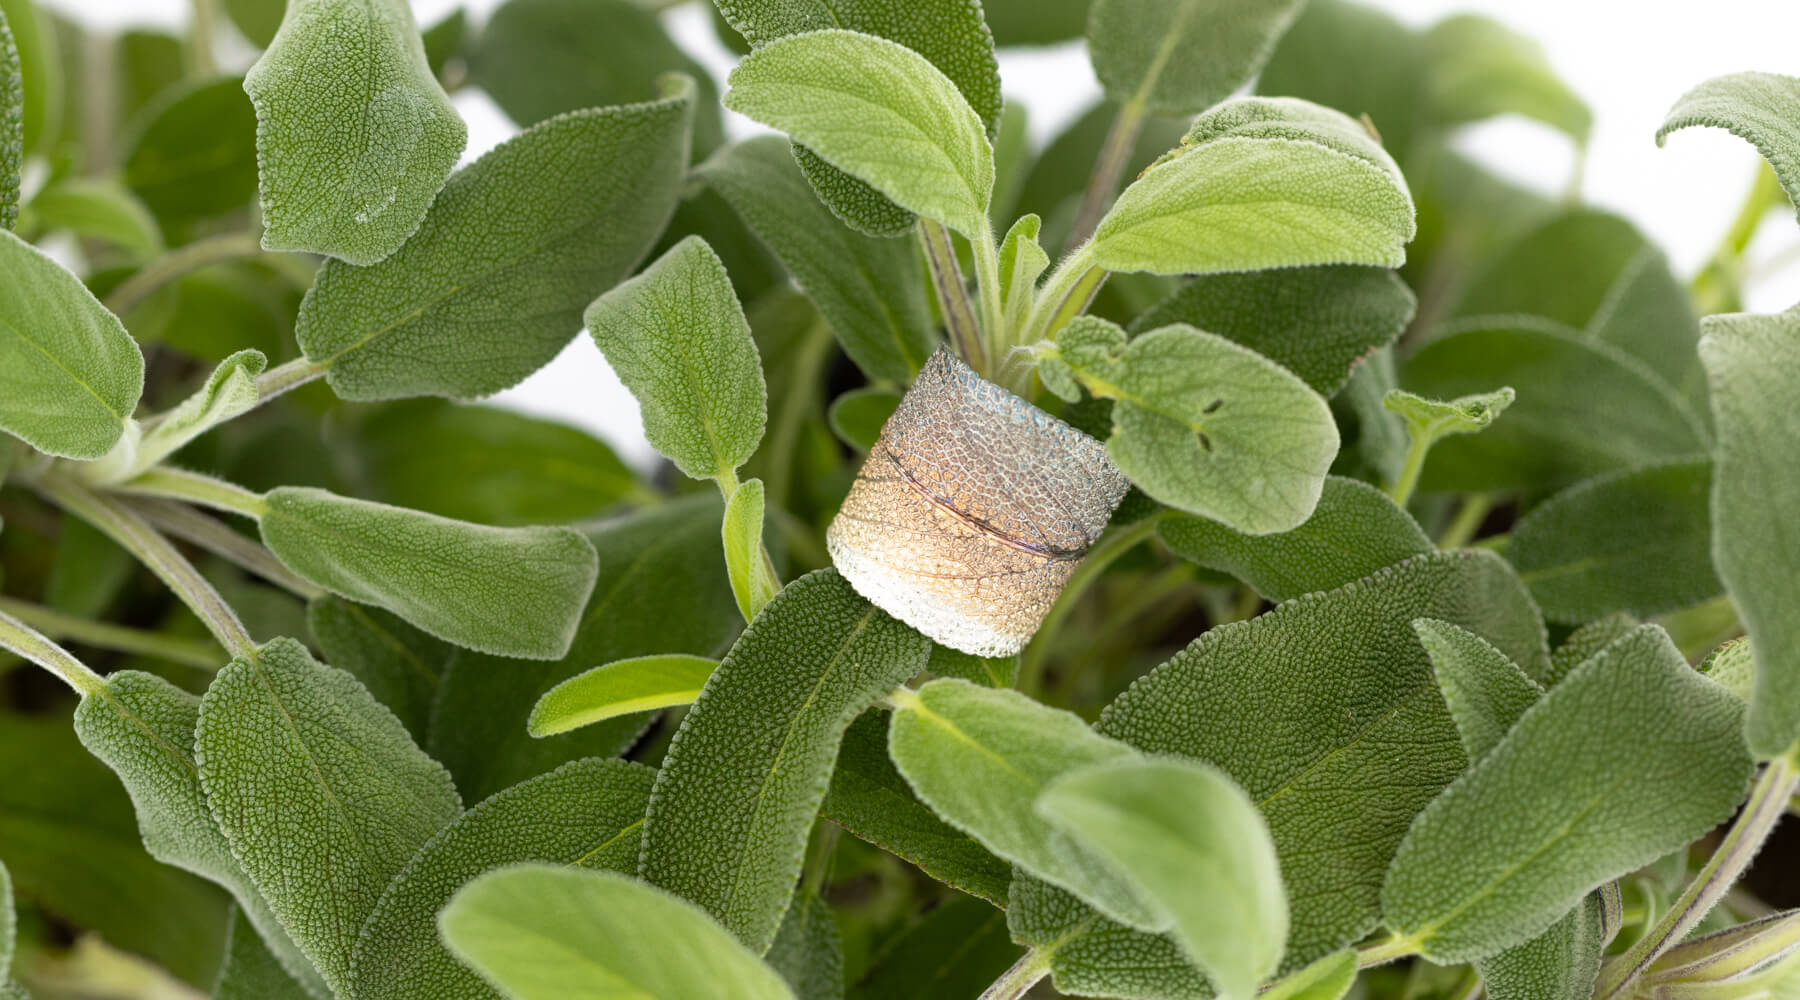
1583, 407
484, 464
89, 571
1358, 59
858, 416
1661, 762
622, 687
1480, 68
1180, 57
744, 777
1355, 530
1054, 185
870, 798
678, 339
1327, 712
40, 73
69, 373
508, 591
950, 34
988, 671
250, 972
1638, 540
400, 665
957, 950
257, 20
1093, 956
1559, 964
1485, 692
1760, 108
662, 589
1317, 322
540, 933
357, 800
539, 58
1752, 362
354, 135
807, 951
1035, 22
586, 813
142, 727
516, 245
193, 152
12, 136
872, 291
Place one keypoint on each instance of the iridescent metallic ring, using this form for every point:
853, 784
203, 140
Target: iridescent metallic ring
971, 511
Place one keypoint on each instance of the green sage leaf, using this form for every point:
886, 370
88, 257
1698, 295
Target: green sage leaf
1760, 108
753, 579
192, 153
1485, 691
12, 143
1479, 68
1180, 57
1431, 419
228, 392
958, 949
1584, 642
807, 951
1093, 956
354, 135
858, 416
1559, 964
623, 687
1330, 978
250, 971
400, 665
40, 73
99, 209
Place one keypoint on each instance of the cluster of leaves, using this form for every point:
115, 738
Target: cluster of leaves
475, 711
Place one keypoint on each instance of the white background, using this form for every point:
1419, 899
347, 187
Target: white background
1630, 59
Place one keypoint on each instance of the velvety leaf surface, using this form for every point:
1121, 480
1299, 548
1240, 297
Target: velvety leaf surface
1317, 322
99, 209
250, 972
354, 135
1180, 57
586, 813
1661, 762
514, 247
1486, 692
358, 797
1559, 964
872, 291
1093, 956
988, 671
400, 665
678, 339
541, 933
753, 579
958, 949
1752, 362
1359, 59
1480, 68
509, 591
623, 687
1761, 108
192, 152
1354, 531
69, 373
807, 951
228, 392
1637, 541
12, 133
745, 774
1583, 643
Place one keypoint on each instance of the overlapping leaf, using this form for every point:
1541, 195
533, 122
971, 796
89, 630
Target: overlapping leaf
1180, 57
250, 971
400, 665
1761, 108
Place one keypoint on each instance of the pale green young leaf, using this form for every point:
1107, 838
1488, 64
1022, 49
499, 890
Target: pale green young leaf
354, 136
1192, 846
869, 798
1661, 761
858, 416
1318, 322
586, 814
540, 933
1355, 530
878, 111
872, 291
97, 209
256, 20
1326, 711
1752, 362
1180, 57
400, 665
69, 373
250, 971
753, 579
358, 798
1431, 419
12, 137
979, 757
1583, 643
1207, 426
191, 153
623, 687
1559, 964
515, 246
1330, 978
1058, 178
1479, 68
1761, 108
1036, 22
1637, 540
807, 951
509, 591
1022, 262
744, 777
957, 949
678, 339
1485, 691
1260, 183
228, 392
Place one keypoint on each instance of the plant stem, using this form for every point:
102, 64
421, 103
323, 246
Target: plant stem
283, 377
1064, 296
996, 338
1019, 979
178, 262
194, 487
1109, 167
953, 295
130, 531
1467, 522
60, 625
1417, 447
22, 639
1395, 948
190, 525
1104, 553
818, 864
1768, 801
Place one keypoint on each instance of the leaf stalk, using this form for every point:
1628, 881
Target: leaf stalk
180, 484
56, 624
1018, 980
953, 295
178, 263
1104, 553
22, 639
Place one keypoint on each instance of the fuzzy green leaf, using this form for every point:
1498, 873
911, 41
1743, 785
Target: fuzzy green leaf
808, 952
872, 291
1058, 177
1192, 846
623, 687
1753, 362
744, 777
1637, 540
1330, 978
515, 246
400, 665
1761, 108
354, 136
250, 972
229, 392
957, 949
1093, 956
97, 209
1485, 691
1260, 183
1317, 322
1559, 964
1479, 68
69, 373
12, 139
357, 800
1431, 419
1354, 531
753, 579
1661, 761
194, 154
878, 111
540, 933
1584, 642
587, 813
858, 416
509, 591
679, 341
1180, 57
1022, 262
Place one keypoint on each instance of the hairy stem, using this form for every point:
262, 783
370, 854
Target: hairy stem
60, 625
953, 295
1065, 295
22, 639
190, 525
194, 487
281, 378
1417, 448
1104, 553
178, 262
1109, 167
1019, 979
